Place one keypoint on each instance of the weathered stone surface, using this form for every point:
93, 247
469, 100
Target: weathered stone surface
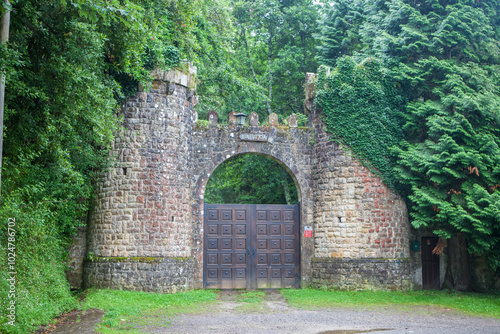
212, 118
165, 275
310, 90
182, 78
485, 279
273, 120
231, 119
290, 147
292, 121
361, 274
356, 215
142, 204
76, 255
253, 119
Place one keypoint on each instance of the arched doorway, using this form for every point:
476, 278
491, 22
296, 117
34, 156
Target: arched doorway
250, 245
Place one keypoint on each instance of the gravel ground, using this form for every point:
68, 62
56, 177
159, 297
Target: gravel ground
232, 316
273, 315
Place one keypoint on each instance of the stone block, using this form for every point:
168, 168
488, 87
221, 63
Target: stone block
253, 119
273, 120
292, 121
231, 119
212, 118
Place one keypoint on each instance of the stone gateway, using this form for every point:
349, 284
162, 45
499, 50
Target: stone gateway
148, 228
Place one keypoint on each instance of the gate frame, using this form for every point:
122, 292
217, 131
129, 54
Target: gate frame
251, 237
301, 175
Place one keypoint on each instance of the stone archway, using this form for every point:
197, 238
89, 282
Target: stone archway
252, 245
212, 146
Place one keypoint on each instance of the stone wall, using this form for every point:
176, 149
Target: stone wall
483, 277
146, 230
356, 215
166, 275
359, 223
143, 204
361, 274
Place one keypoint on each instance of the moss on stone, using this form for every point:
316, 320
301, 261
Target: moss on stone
141, 259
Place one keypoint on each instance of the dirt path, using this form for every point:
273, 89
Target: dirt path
74, 322
239, 312
233, 315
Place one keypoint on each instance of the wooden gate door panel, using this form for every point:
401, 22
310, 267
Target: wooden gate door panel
277, 251
225, 247
430, 264
251, 246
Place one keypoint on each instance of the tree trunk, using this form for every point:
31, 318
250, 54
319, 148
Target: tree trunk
4, 37
458, 273
244, 33
286, 188
269, 62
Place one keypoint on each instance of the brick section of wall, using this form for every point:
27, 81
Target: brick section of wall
165, 275
143, 203
357, 274
355, 215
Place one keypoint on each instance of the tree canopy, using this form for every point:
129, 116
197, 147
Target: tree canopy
444, 58
251, 179
265, 58
68, 66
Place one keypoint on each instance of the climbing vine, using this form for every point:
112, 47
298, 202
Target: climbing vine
363, 109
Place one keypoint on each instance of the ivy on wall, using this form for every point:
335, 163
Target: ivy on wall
363, 109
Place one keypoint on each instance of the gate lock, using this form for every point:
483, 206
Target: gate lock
253, 251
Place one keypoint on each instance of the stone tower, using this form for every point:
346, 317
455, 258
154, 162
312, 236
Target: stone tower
140, 231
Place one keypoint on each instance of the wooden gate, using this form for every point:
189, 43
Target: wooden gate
430, 264
251, 246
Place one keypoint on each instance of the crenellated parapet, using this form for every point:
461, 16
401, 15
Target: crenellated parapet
253, 120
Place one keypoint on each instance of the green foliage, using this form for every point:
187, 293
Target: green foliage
257, 63
202, 124
252, 297
467, 303
363, 110
339, 31
251, 179
41, 289
449, 64
444, 58
68, 64
126, 310
220, 87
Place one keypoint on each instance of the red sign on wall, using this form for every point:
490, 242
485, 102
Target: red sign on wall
308, 232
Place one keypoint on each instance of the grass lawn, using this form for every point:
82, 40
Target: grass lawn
467, 303
128, 311
131, 311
